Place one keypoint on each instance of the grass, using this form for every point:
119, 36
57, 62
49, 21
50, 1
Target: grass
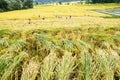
86, 47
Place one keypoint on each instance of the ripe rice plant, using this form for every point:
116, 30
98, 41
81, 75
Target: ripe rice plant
4, 43
17, 46
48, 67
107, 65
15, 63
31, 69
49, 55
65, 67
80, 45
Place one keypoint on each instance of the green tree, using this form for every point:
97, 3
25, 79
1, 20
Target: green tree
28, 4
18, 4
88, 1
117, 1
3, 5
15, 4
105, 1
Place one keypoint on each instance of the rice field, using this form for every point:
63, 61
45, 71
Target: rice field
85, 47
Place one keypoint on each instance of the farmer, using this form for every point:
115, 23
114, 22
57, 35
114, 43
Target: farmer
70, 17
29, 21
58, 16
43, 18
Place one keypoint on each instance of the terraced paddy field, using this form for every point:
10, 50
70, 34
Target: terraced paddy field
83, 47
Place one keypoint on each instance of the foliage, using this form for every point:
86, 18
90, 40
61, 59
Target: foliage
6, 5
28, 4
3, 5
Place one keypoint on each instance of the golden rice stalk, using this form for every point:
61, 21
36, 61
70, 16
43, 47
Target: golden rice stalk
66, 66
107, 63
31, 69
48, 67
88, 68
5, 61
17, 46
3, 43
15, 63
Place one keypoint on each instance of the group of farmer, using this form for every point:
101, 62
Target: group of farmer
67, 17
57, 16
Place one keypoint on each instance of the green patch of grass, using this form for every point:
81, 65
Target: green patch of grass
2, 32
112, 16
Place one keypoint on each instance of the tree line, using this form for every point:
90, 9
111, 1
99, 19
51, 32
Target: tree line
8, 5
103, 1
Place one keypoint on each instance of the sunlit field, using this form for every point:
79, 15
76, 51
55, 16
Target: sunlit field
83, 47
82, 16
50, 11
